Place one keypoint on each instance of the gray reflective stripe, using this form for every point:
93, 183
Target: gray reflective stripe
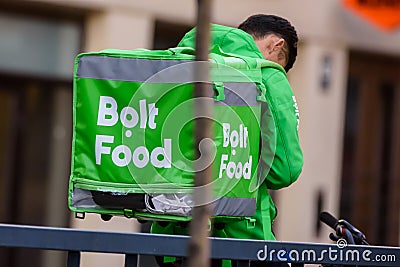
227, 206
81, 198
240, 94
160, 71
133, 69
224, 206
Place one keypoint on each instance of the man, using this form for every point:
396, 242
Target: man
275, 39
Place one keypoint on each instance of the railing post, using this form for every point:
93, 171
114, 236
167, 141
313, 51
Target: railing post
74, 259
199, 245
131, 260
240, 263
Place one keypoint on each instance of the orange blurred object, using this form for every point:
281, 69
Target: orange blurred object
383, 13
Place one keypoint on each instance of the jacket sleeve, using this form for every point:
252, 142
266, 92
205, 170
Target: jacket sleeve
281, 156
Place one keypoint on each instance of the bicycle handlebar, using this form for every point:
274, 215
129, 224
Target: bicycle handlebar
343, 229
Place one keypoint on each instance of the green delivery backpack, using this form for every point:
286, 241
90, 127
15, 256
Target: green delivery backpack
133, 136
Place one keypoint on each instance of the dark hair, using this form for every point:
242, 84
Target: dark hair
260, 25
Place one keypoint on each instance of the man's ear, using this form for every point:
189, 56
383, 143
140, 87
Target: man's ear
279, 43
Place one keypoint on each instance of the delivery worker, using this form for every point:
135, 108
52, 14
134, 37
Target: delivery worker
272, 38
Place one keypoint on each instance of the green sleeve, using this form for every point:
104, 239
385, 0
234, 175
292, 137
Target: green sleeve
280, 117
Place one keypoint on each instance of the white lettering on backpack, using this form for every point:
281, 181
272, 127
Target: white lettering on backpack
108, 114
122, 155
236, 139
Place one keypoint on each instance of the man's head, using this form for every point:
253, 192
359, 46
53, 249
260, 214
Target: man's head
274, 36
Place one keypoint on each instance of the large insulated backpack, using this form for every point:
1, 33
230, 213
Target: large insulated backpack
133, 136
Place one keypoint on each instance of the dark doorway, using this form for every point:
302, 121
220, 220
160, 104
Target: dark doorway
27, 120
371, 158
168, 34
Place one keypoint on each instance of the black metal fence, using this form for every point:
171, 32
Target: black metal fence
75, 241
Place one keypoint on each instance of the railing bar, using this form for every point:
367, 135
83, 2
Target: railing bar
75, 241
74, 259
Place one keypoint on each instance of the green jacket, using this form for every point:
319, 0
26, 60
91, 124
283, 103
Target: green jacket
282, 115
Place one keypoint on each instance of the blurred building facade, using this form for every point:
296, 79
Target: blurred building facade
346, 81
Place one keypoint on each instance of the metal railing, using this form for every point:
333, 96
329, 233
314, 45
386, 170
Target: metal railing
75, 241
